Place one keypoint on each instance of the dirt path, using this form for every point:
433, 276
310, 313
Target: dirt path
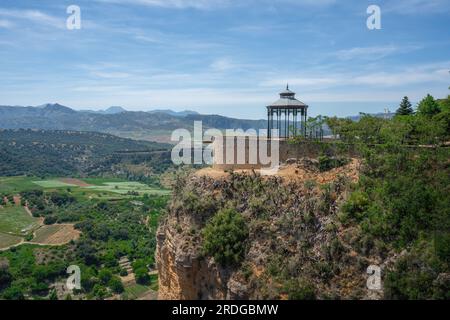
22, 241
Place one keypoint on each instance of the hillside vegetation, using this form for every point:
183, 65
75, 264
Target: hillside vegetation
66, 153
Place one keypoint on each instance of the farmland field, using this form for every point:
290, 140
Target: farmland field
7, 240
17, 184
55, 234
53, 184
105, 188
15, 220
125, 187
135, 291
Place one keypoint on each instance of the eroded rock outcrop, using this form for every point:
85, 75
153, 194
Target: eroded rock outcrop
296, 247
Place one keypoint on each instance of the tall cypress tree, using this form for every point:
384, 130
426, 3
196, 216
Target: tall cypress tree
405, 108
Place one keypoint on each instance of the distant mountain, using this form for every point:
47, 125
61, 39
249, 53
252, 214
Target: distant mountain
378, 115
114, 110
110, 110
174, 113
155, 125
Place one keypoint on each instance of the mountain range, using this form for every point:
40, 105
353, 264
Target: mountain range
156, 125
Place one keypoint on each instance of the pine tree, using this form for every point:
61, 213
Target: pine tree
405, 108
428, 106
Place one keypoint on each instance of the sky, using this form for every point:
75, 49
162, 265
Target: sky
228, 57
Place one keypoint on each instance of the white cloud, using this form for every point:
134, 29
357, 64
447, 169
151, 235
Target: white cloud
217, 4
372, 53
355, 81
175, 4
416, 6
34, 16
223, 64
366, 52
111, 75
5, 24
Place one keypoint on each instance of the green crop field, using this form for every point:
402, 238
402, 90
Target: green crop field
10, 185
53, 184
135, 291
16, 220
101, 181
100, 188
125, 187
7, 240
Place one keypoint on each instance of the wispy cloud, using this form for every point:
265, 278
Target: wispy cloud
6, 24
437, 73
217, 4
416, 6
175, 4
223, 64
373, 52
34, 16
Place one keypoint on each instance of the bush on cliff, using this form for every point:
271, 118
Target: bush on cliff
224, 237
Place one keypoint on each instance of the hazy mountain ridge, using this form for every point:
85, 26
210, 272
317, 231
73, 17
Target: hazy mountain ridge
135, 124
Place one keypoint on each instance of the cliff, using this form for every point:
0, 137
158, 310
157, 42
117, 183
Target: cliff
296, 247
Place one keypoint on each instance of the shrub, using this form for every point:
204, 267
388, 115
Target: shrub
105, 275
13, 293
356, 204
298, 289
224, 237
116, 285
50, 220
327, 163
123, 272
142, 276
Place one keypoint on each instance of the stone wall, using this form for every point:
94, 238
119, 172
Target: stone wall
287, 150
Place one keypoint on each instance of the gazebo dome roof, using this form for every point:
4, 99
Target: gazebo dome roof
288, 100
287, 93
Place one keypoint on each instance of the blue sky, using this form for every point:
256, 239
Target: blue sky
223, 56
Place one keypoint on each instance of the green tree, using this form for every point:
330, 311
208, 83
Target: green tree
444, 104
428, 106
13, 293
224, 237
405, 108
5, 277
116, 285
105, 275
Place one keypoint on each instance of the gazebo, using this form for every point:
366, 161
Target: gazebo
287, 109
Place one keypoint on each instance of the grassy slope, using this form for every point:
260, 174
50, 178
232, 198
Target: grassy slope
14, 219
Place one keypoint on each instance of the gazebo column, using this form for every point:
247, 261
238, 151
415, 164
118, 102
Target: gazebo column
279, 122
295, 122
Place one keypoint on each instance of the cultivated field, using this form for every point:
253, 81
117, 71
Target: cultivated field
125, 187
53, 184
15, 220
7, 240
100, 187
10, 185
55, 234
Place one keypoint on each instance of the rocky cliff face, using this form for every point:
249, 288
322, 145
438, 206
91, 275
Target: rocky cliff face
296, 246
183, 274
